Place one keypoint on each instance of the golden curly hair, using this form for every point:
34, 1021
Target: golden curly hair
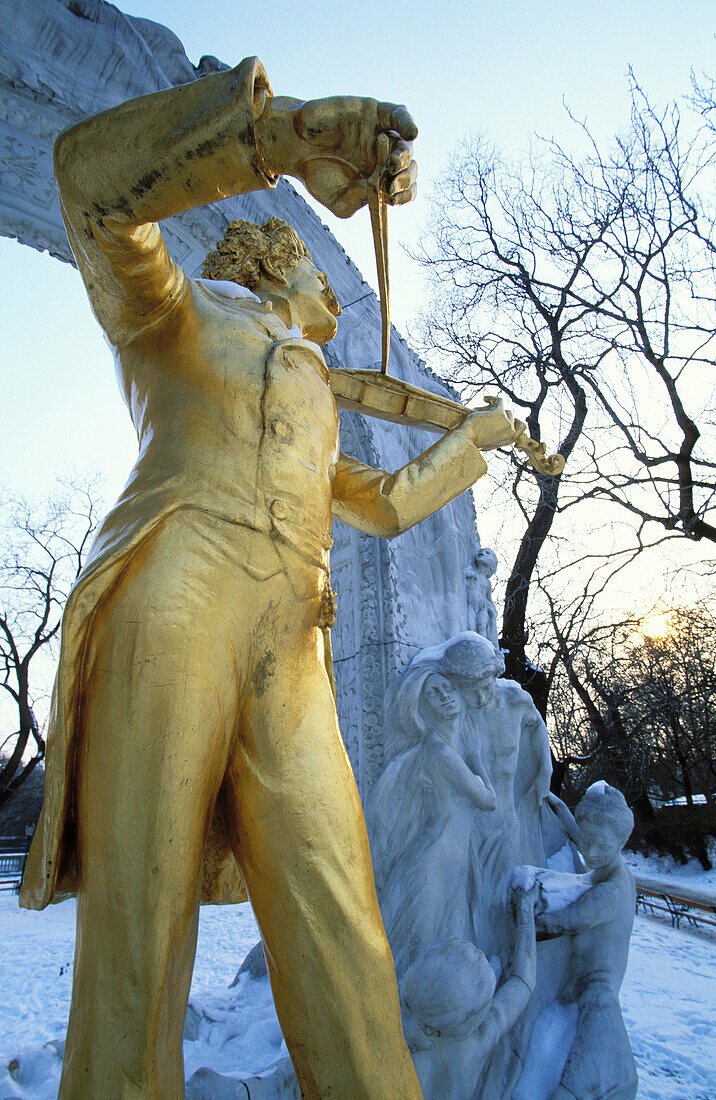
249, 252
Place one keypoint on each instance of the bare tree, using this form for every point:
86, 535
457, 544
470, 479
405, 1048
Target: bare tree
638, 710
42, 553
672, 694
591, 716
582, 289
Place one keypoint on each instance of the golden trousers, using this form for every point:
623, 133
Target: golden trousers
204, 679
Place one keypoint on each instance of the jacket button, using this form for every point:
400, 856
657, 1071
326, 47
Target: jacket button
280, 428
278, 509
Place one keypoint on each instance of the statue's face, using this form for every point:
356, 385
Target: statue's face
440, 702
486, 562
313, 304
485, 690
598, 844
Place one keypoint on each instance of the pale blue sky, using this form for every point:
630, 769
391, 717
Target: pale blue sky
459, 66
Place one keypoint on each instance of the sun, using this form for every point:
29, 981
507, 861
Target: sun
657, 624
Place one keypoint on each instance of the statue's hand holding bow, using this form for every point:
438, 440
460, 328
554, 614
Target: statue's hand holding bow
332, 146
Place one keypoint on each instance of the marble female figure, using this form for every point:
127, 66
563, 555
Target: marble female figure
482, 614
420, 813
514, 750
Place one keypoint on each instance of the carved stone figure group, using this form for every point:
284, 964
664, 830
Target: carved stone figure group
476, 862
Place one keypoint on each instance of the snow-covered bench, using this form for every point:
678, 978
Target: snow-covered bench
13, 853
679, 902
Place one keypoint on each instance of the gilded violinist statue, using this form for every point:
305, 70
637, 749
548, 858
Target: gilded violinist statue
194, 728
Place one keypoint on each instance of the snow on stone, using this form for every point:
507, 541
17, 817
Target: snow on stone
558, 889
563, 860
437, 653
524, 877
227, 289
667, 998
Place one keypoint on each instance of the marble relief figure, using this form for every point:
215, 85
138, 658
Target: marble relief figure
593, 914
454, 1016
470, 754
420, 813
454, 811
482, 615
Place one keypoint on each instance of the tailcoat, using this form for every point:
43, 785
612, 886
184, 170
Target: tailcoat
234, 415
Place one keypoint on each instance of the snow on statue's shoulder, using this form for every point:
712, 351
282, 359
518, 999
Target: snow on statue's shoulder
226, 289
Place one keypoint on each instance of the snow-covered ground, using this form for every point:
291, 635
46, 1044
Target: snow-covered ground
668, 997
663, 868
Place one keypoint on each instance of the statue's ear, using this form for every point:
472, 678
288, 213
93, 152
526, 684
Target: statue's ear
271, 273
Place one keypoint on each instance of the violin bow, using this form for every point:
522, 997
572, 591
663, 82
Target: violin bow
379, 224
380, 395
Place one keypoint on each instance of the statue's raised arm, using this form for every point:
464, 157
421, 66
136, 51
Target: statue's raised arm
121, 171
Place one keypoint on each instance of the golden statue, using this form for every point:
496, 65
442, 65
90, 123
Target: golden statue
193, 723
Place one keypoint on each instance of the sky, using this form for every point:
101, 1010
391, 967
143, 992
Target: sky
507, 69
459, 66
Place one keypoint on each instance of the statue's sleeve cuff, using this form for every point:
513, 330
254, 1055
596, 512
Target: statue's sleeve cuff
254, 88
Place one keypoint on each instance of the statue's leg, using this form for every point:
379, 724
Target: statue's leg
154, 735
300, 839
600, 1062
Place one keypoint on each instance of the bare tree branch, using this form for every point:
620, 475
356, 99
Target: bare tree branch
582, 288
44, 547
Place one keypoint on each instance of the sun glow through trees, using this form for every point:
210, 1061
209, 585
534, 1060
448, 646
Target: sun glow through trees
657, 624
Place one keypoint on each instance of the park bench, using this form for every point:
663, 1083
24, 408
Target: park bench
13, 853
680, 903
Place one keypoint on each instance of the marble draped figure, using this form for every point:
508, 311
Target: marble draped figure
193, 727
509, 959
